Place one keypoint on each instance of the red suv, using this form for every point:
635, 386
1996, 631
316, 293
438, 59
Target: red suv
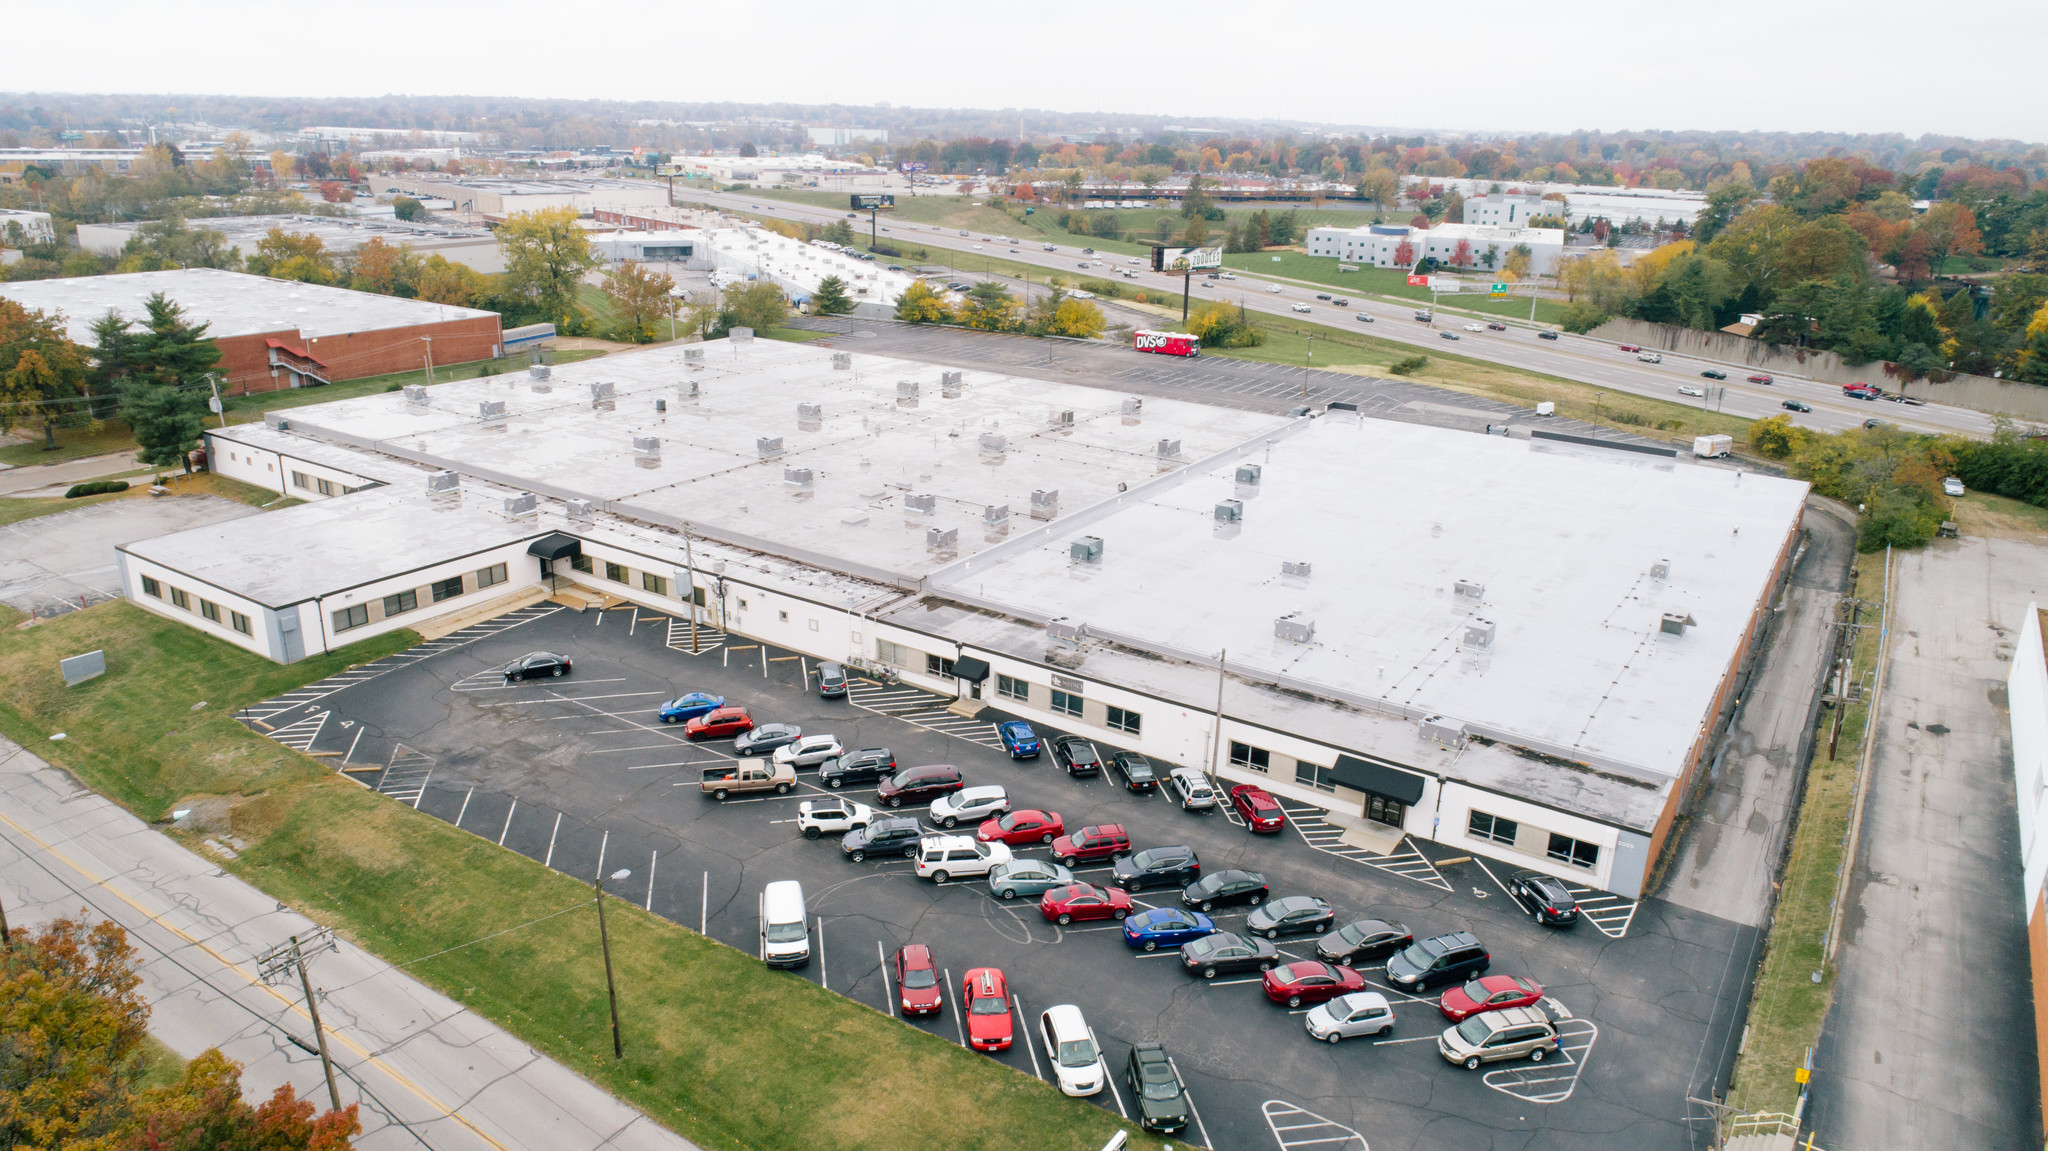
723, 723
1260, 810
917, 980
920, 784
1102, 841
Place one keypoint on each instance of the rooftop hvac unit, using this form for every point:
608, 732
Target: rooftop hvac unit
1045, 503
1443, 730
994, 514
1086, 550
491, 409
1295, 568
688, 389
693, 354
580, 510
278, 422
1675, 622
810, 411
1066, 630
1060, 417
1133, 406
538, 371
661, 405
741, 335
939, 539
854, 517
906, 389
1479, 633
995, 442
1169, 449
949, 379
603, 391
1294, 628
1341, 406
1229, 511
523, 504
924, 502
443, 481
416, 393
1660, 570
646, 445
768, 446
1248, 473
797, 477
1467, 589
842, 361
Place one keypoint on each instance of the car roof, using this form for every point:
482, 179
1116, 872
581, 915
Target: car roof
981, 791
948, 842
1102, 829
917, 954
1066, 1021
989, 981
1508, 1017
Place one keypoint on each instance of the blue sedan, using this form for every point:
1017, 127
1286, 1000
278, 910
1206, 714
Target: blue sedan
1019, 740
1166, 927
691, 706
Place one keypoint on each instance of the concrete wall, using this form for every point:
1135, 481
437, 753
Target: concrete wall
278, 472
2027, 698
521, 570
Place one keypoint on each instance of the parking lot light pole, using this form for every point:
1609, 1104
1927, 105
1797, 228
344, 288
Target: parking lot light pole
610, 989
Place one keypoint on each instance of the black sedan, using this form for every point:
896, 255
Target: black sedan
1291, 915
763, 740
868, 765
1175, 866
1223, 888
892, 836
1363, 940
1225, 953
1162, 1105
1077, 755
1795, 406
1714, 374
1546, 897
537, 665
1138, 772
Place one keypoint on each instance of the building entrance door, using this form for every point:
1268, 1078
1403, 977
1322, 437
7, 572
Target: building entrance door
1380, 809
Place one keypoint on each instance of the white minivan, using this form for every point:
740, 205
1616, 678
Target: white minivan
1070, 1042
785, 925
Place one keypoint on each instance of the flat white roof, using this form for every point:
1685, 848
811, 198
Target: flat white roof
230, 303
338, 233
801, 266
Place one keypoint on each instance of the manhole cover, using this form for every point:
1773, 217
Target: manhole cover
863, 335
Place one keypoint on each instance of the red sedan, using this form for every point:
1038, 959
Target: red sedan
1064, 905
1489, 993
1628, 347
1310, 982
917, 980
723, 723
1020, 828
987, 996
1760, 378
1260, 810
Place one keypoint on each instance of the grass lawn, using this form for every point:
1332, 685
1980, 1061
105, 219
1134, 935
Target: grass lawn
13, 510
792, 335
72, 443
250, 408
1322, 270
161, 1066
723, 1049
1983, 514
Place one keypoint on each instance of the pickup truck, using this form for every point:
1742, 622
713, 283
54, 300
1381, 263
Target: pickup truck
753, 775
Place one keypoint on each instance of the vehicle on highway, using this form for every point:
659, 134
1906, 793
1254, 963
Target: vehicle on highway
1230, 275
537, 665
1018, 739
889, 836
1359, 1013
1952, 486
831, 681
1628, 347
1362, 940
1517, 1033
1081, 295
1096, 841
1291, 915
1274, 288
1070, 1046
1226, 953
1192, 788
746, 775
1081, 902
1048, 248
1340, 302
1438, 960
1873, 422
1714, 374
1546, 897
820, 817
1322, 295
963, 233
1310, 981
810, 751
1496, 327
1861, 391
722, 723
919, 784
944, 857
1689, 390
1076, 755
1162, 1101
917, 980
1650, 357
689, 707
868, 765
1087, 251
1222, 888
1026, 877
1300, 308
987, 996
1138, 773
977, 247
1450, 335
1761, 378
1488, 993
1166, 927
1909, 401
1022, 827
1546, 335
1262, 813
1175, 866
766, 739
972, 805
1474, 328
1795, 406
1363, 318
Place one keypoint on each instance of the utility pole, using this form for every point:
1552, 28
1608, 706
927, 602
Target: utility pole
277, 963
690, 592
610, 989
430, 358
1216, 737
213, 379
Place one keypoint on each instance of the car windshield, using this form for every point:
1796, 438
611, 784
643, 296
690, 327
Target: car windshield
1422, 954
918, 979
988, 1005
1202, 946
1351, 933
1161, 1089
1475, 1030
1150, 859
1077, 1053
786, 932
1475, 991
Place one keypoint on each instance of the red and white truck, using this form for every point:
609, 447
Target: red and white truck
1167, 343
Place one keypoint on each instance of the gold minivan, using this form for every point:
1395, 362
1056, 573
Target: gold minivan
1511, 1033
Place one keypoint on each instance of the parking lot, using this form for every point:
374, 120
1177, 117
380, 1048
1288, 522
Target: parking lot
578, 773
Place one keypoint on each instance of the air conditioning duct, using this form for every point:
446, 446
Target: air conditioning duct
415, 393
1229, 511
768, 446
1295, 568
443, 482
603, 391
797, 477
995, 514
491, 409
924, 502
523, 504
939, 539
1294, 628
1169, 449
1248, 474
1086, 550
1479, 633
646, 445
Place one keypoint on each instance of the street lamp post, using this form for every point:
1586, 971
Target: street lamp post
604, 936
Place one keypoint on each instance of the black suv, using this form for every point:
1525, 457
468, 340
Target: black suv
895, 835
831, 681
1175, 866
1077, 755
1546, 897
1138, 772
1162, 1105
868, 765
1438, 960
1224, 887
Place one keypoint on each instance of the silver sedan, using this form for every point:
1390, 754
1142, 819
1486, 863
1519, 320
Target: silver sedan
1359, 1013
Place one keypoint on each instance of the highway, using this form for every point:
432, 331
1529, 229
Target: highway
1597, 363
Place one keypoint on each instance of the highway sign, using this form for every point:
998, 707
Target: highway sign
1498, 290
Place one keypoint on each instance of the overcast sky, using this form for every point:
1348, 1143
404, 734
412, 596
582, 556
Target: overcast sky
1802, 65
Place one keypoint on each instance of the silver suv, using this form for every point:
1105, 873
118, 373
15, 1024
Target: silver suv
1490, 1036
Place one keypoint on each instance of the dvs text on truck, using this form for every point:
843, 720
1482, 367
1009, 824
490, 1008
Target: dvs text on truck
1167, 343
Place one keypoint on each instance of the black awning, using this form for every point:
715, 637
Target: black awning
970, 669
1378, 779
554, 546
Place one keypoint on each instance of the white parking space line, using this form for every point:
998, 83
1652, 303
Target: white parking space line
888, 989
652, 859
1189, 1096
1549, 1082
1411, 1039
704, 906
1612, 914
1294, 1126
1024, 1036
637, 747
495, 681
550, 860
552, 698
508, 822
1328, 838
946, 990
821, 954
465, 807
1496, 882
1109, 1081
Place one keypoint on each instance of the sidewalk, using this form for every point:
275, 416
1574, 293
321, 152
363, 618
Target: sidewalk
426, 1071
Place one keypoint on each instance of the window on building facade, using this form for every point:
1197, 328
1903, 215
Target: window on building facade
1124, 720
401, 603
302, 481
614, 572
1010, 687
1066, 702
1245, 755
938, 666
582, 564
447, 589
1493, 827
349, 617
240, 621
782, 617
210, 610
893, 654
487, 577
179, 597
654, 583
151, 587
1576, 852
1315, 775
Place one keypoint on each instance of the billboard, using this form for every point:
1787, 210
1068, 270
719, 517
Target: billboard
910, 166
864, 200
1186, 259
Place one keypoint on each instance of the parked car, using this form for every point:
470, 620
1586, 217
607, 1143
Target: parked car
1546, 334
1022, 827
1689, 390
917, 980
1018, 739
1291, 915
986, 995
1222, 888
1261, 812
1359, 1013
1166, 927
766, 739
1071, 1048
1225, 953
868, 765
1083, 902
1138, 773
537, 665
723, 723
1155, 1085
919, 784
1795, 406
1517, 1033
1192, 788
896, 835
944, 857
1761, 378
1077, 755
1714, 374
1097, 841
1438, 960
685, 708
1026, 877
1310, 981
1488, 993
1546, 897
1362, 940
810, 751
817, 817
1175, 866
970, 805
1952, 486
831, 681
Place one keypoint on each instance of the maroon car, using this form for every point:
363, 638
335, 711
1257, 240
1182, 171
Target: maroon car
1021, 827
1260, 810
917, 980
920, 784
722, 723
1101, 841
1310, 982
1077, 901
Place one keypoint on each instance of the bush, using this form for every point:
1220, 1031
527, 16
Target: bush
1776, 438
96, 488
1580, 318
1409, 366
2006, 467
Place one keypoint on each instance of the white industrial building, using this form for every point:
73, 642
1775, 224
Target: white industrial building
35, 226
802, 171
341, 235
732, 254
846, 137
1517, 647
1386, 245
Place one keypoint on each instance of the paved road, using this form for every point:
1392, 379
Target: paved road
1930, 1042
425, 1070
1580, 358
31, 477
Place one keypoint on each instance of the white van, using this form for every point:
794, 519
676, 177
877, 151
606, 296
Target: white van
785, 925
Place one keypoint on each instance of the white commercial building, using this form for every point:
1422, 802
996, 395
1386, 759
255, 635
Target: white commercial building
803, 171
1505, 211
647, 247
35, 226
732, 254
341, 235
1400, 246
846, 137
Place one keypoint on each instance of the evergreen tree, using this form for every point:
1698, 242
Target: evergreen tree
170, 349
831, 299
167, 420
